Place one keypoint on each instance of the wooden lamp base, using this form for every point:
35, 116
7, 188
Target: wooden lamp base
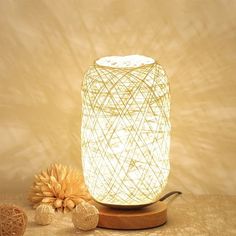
146, 217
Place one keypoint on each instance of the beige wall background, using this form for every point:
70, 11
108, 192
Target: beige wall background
46, 46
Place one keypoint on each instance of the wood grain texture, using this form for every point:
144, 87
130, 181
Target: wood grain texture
46, 46
143, 218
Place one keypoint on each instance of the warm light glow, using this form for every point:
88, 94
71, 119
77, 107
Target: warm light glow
125, 130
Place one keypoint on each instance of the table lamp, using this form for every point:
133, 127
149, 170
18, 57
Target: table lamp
125, 138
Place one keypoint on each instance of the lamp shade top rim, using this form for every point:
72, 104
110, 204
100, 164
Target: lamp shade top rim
129, 61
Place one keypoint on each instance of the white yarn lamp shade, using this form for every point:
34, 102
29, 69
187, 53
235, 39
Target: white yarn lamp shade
125, 130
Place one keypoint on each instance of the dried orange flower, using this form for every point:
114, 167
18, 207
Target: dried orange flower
59, 186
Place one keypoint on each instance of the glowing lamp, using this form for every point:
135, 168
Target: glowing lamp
125, 130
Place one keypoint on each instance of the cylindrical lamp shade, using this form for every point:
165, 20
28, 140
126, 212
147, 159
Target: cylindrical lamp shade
125, 130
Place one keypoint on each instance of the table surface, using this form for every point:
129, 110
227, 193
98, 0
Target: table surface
187, 215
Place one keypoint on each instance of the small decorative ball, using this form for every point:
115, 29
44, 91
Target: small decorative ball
85, 216
44, 214
13, 220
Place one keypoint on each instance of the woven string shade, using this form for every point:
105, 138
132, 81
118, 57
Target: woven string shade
125, 130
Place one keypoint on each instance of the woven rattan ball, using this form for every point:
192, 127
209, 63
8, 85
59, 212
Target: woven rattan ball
85, 216
44, 214
13, 220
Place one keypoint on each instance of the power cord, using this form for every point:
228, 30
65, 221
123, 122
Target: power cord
169, 194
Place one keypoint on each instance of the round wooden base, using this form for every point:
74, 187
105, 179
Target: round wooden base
146, 217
